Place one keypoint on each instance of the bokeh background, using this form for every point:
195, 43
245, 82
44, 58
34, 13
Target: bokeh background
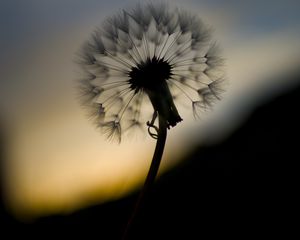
56, 167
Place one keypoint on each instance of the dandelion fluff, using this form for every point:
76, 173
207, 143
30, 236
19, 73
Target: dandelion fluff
153, 51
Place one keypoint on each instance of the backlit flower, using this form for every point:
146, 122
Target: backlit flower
149, 55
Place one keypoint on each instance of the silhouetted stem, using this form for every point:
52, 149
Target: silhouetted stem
159, 149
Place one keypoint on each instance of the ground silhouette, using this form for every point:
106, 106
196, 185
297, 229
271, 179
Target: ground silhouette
242, 187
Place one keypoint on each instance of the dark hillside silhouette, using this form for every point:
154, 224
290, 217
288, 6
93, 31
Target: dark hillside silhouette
243, 186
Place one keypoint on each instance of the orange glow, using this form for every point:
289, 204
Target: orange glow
58, 162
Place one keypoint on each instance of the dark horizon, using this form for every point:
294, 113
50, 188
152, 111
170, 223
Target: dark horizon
244, 186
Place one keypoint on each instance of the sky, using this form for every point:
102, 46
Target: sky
57, 161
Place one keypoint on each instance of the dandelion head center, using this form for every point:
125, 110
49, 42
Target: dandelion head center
150, 75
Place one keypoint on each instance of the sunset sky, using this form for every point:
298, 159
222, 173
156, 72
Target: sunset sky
57, 161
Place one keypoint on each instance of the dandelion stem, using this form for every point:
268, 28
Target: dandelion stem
157, 156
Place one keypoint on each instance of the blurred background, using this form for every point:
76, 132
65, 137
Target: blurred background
232, 172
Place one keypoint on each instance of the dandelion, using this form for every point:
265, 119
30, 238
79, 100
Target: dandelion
150, 55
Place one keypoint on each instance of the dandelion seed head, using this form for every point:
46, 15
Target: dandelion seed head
149, 55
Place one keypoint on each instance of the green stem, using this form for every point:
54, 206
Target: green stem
157, 156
